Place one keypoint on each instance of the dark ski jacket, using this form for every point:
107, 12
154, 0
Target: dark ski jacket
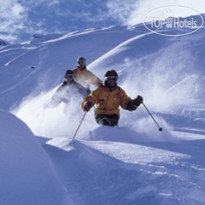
66, 91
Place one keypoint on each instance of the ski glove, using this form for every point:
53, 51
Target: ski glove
138, 100
87, 106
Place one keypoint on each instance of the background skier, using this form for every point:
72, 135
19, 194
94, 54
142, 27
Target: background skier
67, 90
84, 76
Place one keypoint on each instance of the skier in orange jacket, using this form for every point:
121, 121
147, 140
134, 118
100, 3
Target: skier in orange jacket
108, 97
83, 76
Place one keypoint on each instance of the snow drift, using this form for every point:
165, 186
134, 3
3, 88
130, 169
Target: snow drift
27, 174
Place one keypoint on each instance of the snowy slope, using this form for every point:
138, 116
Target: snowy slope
51, 58
171, 82
115, 172
132, 163
27, 174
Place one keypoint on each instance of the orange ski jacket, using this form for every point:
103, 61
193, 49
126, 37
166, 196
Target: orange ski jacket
86, 78
108, 102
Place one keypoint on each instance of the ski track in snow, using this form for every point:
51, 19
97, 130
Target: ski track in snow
150, 175
17, 84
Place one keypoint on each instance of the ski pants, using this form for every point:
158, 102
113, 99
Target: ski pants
107, 120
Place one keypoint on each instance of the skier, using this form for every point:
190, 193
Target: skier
67, 90
84, 76
108, 97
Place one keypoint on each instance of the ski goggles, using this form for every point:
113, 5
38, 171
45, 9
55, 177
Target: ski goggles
111, 78
69, 76
81, 61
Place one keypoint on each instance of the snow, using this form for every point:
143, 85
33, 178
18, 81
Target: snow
27, 174
108, 172
130, 164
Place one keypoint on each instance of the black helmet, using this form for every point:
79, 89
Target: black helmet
69, 73
81, 59
111, 73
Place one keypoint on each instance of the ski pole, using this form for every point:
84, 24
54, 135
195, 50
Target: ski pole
160, 128
79, 125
